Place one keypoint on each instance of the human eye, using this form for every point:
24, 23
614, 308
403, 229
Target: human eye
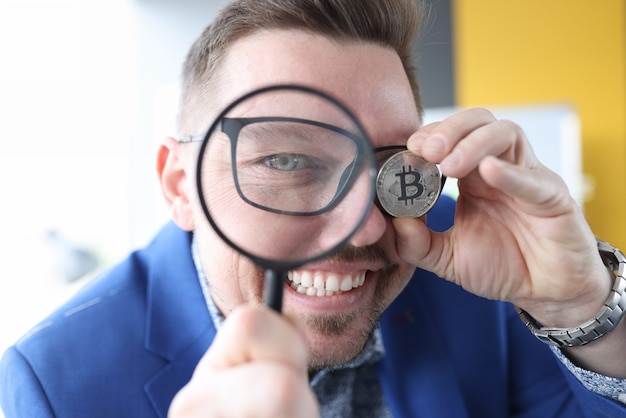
288, 162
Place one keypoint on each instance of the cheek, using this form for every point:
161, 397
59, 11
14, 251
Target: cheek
390, 285
273, 236
402, 272
405, 272
233, 279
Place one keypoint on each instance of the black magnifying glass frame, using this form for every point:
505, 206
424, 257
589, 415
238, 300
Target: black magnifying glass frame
276, 270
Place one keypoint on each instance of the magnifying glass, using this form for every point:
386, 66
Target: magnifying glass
285, 176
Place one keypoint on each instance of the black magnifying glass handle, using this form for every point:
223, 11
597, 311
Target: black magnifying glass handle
273, 293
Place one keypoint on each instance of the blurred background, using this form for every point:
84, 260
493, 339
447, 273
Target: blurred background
88, 89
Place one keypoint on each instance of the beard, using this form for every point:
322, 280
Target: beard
334, 326
352, 329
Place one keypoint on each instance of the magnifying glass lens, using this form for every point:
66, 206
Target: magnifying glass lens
286, 175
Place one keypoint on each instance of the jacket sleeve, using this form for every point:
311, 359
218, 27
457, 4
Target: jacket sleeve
542, 386
21, 394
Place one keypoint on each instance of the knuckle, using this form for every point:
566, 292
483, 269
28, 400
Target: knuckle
483, 113
509, 124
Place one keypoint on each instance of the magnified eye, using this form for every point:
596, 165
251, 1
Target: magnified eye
287, 162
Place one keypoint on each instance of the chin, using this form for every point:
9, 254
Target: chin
337, 339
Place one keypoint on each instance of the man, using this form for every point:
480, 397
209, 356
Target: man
405, 343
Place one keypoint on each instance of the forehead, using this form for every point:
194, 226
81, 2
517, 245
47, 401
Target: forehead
367, 77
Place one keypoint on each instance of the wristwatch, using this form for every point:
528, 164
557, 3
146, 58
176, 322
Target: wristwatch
603, 323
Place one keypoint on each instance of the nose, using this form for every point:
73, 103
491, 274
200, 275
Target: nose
372, 229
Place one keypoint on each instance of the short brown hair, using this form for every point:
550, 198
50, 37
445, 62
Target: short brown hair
391, 23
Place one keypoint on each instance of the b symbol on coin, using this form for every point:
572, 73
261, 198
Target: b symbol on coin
414, 189
407, 185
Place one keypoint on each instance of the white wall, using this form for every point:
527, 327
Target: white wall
85, 100
64, 118
163, 31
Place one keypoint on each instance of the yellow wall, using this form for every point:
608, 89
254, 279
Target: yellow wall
532, 51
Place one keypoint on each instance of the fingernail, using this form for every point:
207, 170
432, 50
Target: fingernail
416, 141
435, 144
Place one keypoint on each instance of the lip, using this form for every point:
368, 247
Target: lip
343, 267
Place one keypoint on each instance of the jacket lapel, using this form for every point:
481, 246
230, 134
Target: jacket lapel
162, 388
416, 372
178, 327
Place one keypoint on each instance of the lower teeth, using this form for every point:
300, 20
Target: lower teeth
312, 291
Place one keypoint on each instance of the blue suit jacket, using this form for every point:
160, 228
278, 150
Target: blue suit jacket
131, 339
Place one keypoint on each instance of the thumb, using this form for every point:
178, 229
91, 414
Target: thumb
422, 247
256, 333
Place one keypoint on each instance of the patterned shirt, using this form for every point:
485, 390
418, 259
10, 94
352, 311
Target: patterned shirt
358, 384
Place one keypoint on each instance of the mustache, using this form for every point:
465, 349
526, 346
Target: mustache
371, 253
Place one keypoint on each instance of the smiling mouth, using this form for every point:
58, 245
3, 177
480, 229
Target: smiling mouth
321, 283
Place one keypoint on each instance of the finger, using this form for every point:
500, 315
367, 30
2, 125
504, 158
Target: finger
254, 347
501, 138
256, 333
543, 192
435, 141
416, 141
278, 392
258, 389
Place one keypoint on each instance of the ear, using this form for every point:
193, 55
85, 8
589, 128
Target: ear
173, 180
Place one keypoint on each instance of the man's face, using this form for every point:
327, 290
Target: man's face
371, 81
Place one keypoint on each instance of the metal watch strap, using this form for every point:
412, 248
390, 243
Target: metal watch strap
603, 323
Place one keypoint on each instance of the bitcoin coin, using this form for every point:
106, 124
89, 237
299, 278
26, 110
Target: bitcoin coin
408, 185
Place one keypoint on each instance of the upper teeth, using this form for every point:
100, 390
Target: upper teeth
318, 283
